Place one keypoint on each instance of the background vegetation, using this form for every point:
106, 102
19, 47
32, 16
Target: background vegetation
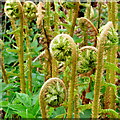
27, 63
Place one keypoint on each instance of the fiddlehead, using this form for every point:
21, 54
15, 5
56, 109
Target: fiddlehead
88, 30
30, 10
40, 14
52, 93
112, 55
99, 69
12, 9
60, 48
111, 47
86, 59
63, 48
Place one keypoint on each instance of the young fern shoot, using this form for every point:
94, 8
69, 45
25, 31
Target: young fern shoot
52, 93
13, 9
112, 44
99, 70
112, 54
86, 60
30, 10
63, 48
88, 29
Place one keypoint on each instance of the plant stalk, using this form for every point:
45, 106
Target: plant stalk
113, 76
75, 15
72, 81
2, 66
99, 14
46, 29
99, 70
107, 92
21, 54
29, 61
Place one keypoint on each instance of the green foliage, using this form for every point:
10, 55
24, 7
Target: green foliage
23, 105
26, 105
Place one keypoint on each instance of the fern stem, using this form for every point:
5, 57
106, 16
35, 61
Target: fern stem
21, 54
18, 36
99, 14
99, 70
75, 15
113, 76
88, 9
72, 81
54, 68
76, 104
68, 46
29, 61
70, 14
46, 29
114, 11
2, 66
14, 28
56, 30
56, 19
107, 92
111, 73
